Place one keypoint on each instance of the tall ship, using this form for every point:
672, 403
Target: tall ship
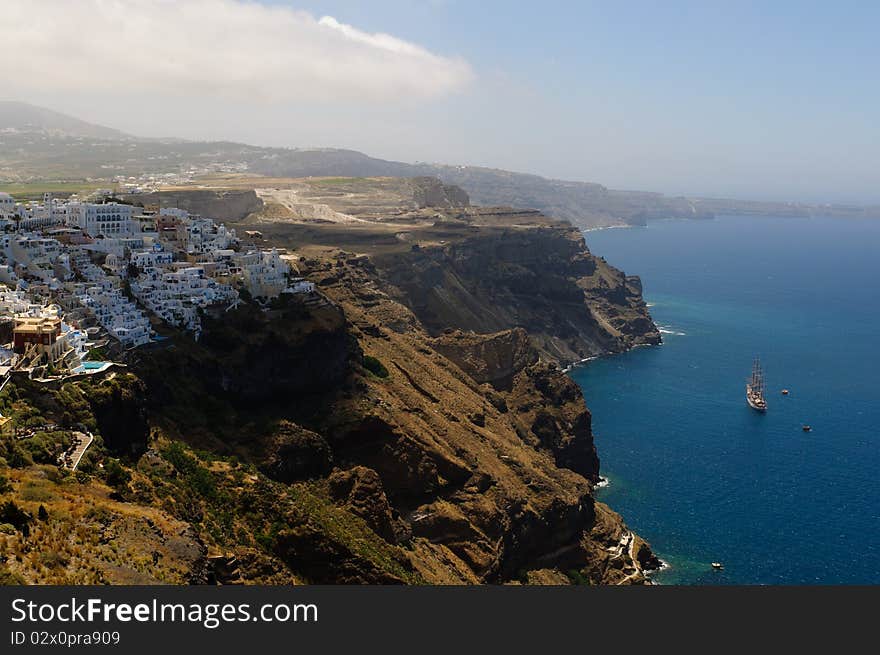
755, 388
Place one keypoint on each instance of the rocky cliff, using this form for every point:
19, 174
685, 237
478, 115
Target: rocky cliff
409, 424
543, 279
480, 450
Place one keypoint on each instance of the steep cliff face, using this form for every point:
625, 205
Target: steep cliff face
427, 403
482, 449
120, 414
253, 356
572, 304
546, 406
458, 458
252, 370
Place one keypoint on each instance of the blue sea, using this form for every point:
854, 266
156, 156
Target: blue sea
691, 467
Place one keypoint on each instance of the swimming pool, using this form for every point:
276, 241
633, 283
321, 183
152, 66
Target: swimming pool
92, 367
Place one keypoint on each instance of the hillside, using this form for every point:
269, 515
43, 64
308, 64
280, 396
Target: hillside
25, 117
383, 432
39, 145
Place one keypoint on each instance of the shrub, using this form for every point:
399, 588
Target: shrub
202, 482
18, 457
99, 514
45, 447
176, 454
578, 578
117, 476
199, 479
12, 514
52, 559
142, 492
87, 464
375, 367
8, 578
96, 355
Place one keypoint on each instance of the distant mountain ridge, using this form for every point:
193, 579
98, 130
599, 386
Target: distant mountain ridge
26, 117
48, 145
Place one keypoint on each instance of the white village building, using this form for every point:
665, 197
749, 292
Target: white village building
108, 220
7, 206
264, 273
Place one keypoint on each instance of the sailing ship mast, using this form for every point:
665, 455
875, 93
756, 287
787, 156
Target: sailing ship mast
758, 378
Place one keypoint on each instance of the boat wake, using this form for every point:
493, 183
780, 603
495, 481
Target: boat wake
665, 329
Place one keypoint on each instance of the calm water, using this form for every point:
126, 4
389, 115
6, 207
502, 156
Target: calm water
692, 468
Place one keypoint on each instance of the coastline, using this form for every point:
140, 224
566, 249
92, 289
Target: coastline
586, 360
664, 566
581, 362
597, 228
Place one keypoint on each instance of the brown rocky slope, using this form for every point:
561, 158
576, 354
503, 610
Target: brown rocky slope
483, 447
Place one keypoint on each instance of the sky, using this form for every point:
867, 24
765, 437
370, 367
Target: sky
762, 100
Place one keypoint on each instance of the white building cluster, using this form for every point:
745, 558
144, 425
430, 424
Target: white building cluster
176, 291
112, 265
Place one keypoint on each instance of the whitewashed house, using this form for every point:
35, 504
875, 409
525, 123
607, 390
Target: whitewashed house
7, 206
264, 273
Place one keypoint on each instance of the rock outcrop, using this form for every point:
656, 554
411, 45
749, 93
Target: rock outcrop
219, 205
494, 358
431, 192
294, 453
359, 490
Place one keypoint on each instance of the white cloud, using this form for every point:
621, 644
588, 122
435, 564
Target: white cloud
223, 48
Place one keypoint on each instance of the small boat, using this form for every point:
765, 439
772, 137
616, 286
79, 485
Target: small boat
807, 428
785, 392
755, 388
718, 566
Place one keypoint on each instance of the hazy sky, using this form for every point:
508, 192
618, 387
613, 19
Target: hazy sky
765, 100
